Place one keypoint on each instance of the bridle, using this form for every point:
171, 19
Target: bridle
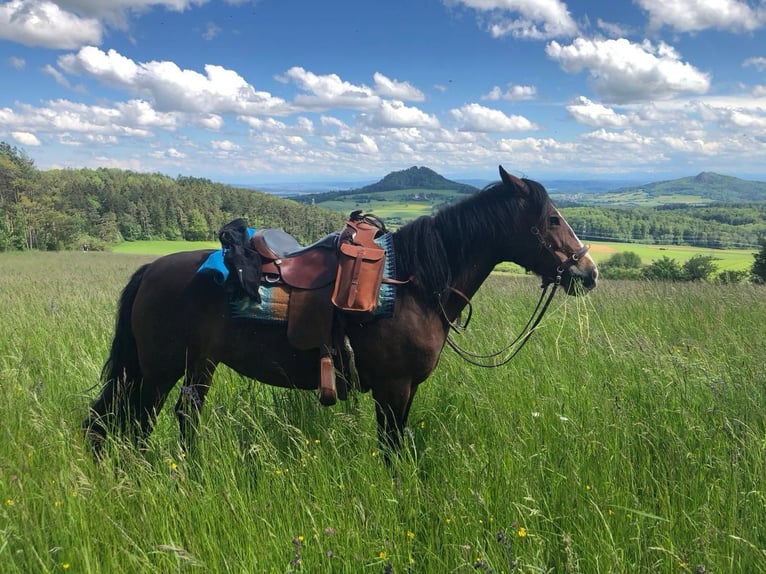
512, 349
571, 259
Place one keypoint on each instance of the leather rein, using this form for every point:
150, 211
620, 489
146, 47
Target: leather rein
491, 360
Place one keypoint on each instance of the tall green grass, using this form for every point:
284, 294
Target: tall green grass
628, 436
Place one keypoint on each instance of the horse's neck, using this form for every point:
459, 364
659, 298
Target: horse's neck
467, 278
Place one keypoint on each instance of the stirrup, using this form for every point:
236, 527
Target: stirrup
328, 392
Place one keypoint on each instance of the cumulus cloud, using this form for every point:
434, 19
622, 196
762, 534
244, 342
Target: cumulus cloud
586, 112
696, 15
134, 118
329, 91
512, 94
622, 71
397, 90
396, 114
25, 138
531, 19
477, 118
224, 145
44, 23
170, 88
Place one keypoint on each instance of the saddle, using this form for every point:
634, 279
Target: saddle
342, 272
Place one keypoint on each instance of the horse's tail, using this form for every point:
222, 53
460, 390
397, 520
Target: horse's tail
121, 373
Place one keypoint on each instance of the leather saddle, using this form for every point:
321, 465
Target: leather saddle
310, 274
287, 261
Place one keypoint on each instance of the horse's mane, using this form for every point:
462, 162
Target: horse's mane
431, 248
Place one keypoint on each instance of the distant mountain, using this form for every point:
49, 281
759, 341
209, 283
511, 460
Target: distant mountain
415, 178
706, 187
412, 178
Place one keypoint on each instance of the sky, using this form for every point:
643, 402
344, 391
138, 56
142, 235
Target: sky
263, 91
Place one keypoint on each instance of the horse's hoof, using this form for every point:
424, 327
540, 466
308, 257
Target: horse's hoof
327, 397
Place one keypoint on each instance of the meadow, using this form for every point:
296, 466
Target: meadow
725, 259
628, 436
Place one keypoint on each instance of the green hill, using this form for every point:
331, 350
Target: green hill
704, 188
414, 178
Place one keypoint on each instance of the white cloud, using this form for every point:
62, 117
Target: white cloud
477, 118
44, 23
696, 15
396, 114
586, 112
116, 12
224, 145
623, 71
25, 138
171, 88
532, 19
329, 91
512, 94
212, 122
397, 90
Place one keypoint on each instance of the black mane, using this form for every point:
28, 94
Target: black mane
431, 248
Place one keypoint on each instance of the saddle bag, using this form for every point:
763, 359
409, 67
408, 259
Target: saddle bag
359, 277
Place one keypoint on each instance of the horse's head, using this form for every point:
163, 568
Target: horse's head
550, 247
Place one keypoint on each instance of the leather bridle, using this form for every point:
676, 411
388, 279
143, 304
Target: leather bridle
571, 259
512, 349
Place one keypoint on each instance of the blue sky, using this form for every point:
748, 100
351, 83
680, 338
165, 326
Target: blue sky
267, 91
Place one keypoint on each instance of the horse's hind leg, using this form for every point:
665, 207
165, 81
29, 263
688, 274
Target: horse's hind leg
128, 408
196, 384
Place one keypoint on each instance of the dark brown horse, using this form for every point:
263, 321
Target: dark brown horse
173, 322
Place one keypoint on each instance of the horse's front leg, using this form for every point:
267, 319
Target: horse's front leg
392, 406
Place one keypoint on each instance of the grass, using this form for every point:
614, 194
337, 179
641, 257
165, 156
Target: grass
159, 247
628, 436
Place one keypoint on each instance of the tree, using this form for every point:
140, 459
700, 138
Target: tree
699, 268
758, 270
664, 269
626, 259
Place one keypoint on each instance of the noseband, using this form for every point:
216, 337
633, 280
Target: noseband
572, 259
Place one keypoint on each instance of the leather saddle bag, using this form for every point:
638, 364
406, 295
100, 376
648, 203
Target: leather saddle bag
359, 277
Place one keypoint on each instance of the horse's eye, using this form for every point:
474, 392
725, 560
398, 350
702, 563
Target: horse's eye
553, 220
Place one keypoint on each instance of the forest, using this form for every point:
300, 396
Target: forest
62, 209
70, 208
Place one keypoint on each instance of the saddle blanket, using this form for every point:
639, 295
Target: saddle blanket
275, 298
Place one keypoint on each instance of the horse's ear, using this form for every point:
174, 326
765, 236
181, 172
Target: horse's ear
513, 182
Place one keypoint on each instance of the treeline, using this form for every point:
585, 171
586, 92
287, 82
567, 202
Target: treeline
72, 208
627, 265
713, 226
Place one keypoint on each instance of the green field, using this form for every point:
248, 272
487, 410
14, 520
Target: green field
157, 247
394, 207
726, 259
627, 437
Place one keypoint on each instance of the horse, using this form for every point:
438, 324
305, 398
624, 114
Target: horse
174, 323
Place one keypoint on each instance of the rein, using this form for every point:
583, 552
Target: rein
512, 348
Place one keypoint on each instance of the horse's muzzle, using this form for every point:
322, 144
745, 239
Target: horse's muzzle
581, 278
